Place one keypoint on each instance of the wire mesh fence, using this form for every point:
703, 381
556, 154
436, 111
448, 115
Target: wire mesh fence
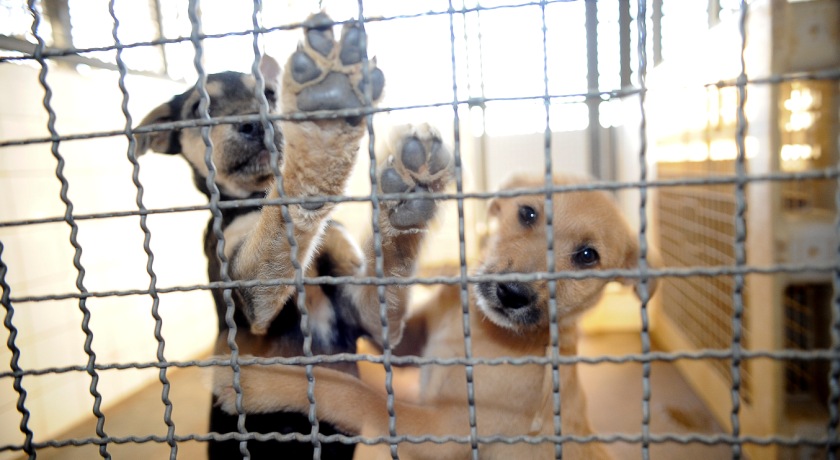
723, 262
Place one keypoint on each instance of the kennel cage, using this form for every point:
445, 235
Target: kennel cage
792, 131
695, 224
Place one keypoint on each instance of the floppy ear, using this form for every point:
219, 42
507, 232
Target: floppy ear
166, 141
631, 261
269, 68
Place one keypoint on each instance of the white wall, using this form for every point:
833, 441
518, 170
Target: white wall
525, 153
40, 257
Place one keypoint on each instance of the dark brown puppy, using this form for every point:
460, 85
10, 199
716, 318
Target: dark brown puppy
316, 158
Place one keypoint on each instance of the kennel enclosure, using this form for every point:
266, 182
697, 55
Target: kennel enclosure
790, 175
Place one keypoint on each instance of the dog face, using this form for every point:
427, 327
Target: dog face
240, 154
589, 233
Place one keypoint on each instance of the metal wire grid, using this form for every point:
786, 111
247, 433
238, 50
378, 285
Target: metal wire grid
734, 354
697, 229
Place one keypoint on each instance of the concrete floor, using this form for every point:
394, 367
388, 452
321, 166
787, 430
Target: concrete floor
613, 391
614, 398
141, 415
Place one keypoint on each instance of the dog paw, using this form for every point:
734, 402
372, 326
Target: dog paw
419, 163
325, 74
223, 389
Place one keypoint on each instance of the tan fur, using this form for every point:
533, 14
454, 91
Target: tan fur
509, 400
324, 155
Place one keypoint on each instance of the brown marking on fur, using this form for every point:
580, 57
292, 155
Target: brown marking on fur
320, 157
324, 153
229, 149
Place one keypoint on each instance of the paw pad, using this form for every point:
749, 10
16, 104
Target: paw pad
420, 164
328, 75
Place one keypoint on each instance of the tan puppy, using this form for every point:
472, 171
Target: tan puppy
509, 319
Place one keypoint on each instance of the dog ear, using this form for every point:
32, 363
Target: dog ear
165, 141
493, 208
631, 261
269, 68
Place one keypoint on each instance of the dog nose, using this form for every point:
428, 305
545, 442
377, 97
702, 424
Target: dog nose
251, 130
514, 295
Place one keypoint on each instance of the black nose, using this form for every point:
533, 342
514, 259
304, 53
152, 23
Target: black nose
514, 295
251, 130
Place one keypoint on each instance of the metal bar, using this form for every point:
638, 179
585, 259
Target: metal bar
713, 271
58, 13
14, 362
74, 230
656, 23
683, 439
624, 43
462, 259
740, 236
22, 46
147, 237
203, 106
831, 173
387, 354
596, 166
554, 328
706, 354
641, 22
713, 12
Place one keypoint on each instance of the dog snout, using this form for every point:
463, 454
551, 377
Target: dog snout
514, 295
252, 130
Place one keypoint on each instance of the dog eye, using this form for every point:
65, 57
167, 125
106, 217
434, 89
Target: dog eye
586, 257
527, 215
270, 95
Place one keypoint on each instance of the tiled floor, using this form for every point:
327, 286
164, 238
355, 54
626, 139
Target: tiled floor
614, 393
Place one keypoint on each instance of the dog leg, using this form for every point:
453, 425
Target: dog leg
417, 161
323, 74
350, 405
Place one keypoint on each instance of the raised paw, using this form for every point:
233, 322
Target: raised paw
419, 162
324, 74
